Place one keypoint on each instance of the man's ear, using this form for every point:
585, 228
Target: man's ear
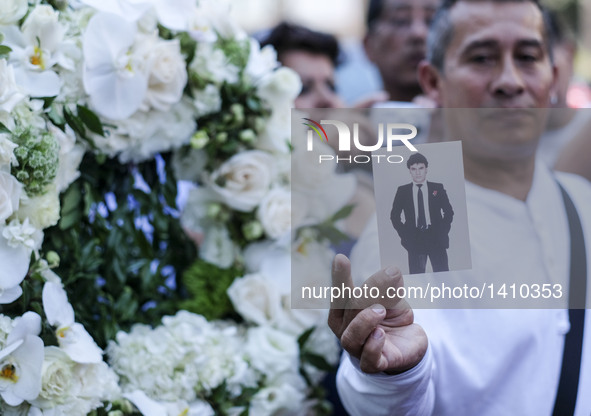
554, 87
430, 80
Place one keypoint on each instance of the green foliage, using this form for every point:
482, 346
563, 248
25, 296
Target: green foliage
37, 155
121, 245
207, 285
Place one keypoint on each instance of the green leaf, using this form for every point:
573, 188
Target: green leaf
5, 50
4, 129
90, 120
342, 213
317, 361
302, 339
74, 122
71, 199
331, 233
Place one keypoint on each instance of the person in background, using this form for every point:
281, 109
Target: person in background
314, 56
564, 122
396, 42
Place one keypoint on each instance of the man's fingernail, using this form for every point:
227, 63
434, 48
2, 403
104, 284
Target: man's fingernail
391, 271
378, 310
377, 333
336, 264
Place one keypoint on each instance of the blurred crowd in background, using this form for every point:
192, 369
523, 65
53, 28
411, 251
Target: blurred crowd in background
358, 74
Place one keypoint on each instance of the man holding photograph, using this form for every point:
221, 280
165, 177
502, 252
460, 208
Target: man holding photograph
492, 55
427, 215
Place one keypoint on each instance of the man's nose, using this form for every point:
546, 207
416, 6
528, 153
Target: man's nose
326, 98
419, 28
509, 80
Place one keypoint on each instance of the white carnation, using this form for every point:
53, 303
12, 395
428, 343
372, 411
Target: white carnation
280, 86
22, 234
144, 134
212, 64
207, 100
70, 157
43, 211
7, 157
10, 193
283, 399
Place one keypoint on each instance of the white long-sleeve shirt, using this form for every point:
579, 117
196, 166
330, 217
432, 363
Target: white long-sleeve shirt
489, 361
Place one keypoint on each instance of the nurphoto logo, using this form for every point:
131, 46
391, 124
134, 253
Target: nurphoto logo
390, 133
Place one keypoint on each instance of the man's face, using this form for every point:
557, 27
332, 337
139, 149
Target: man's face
497, 60
396, 42
418, 172
317, 74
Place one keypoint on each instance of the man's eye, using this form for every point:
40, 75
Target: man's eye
400, 22
305, 89
527, 58
481, 59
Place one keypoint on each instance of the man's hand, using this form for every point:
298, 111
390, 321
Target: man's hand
383, 339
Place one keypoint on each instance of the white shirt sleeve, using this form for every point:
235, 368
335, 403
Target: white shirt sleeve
405, 394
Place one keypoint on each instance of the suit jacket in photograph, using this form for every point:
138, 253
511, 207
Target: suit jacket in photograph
440, 211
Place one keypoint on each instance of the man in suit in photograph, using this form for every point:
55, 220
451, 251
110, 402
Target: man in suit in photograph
422, 215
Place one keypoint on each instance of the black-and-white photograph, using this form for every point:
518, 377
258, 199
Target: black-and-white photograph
421, 209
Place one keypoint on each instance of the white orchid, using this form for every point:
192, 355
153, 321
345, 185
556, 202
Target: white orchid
37, 49
71, 336
150, 407
173, 14
21, 359
113, 74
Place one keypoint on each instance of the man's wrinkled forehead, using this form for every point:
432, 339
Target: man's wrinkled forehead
492, 22
380, 8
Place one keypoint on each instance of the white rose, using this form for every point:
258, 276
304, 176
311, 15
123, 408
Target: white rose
57, 379
167, 75
10, 193
10, 94
255, 298
244, 179
218, 248
274, 212
271, 351
282, 399
280, 86
42, 26
43, 211
11, 11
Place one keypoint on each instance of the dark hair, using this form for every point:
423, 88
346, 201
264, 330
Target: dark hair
416, 158
374, 12
287, 37
441, 31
